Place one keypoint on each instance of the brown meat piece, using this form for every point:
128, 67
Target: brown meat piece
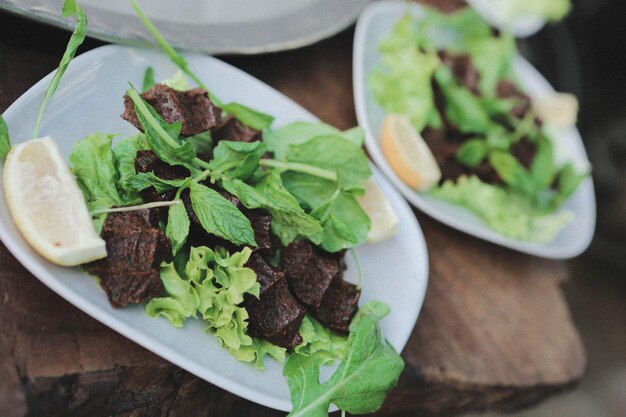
147, 161
262, 225
275, 316
192, 108
444, 152
232, 129
136, 248
463, 69
508, 89
339, 305
309, 272
524, 150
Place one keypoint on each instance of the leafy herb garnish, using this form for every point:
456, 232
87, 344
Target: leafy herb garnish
70, 8
370, 369
5, 141
148, 79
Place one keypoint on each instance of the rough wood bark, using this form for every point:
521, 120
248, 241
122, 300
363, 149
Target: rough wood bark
494, 332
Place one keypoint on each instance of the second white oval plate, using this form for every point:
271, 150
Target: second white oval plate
375, 23
89, 99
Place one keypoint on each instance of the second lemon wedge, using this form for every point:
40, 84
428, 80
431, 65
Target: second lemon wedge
408, 154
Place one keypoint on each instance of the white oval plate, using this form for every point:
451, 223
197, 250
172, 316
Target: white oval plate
89, 99
373, 25
213, 26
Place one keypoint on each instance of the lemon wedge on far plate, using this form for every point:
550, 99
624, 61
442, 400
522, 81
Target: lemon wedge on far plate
408, 154
47, 205
384, 219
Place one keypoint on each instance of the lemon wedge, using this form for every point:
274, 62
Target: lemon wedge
408, 154
48, 206
384, 219
559, 109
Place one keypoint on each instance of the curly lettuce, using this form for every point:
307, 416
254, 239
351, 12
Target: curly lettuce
504, 211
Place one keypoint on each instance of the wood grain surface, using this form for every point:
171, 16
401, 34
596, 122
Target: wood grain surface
494, 332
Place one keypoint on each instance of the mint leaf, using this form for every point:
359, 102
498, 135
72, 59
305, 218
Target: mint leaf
143, 180
177, 228
512, 172
289, 220
241, 158
334, 154
5, 142
220, 217
370, 369
70, 8
249, 117
472, 152
462, 107
297, 133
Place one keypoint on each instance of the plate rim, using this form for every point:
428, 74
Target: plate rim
144, 40
29, 260
483, 231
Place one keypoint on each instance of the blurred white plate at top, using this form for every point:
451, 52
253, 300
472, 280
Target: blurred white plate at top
212, 26
374, 24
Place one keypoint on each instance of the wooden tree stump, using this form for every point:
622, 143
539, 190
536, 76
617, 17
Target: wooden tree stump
494, 332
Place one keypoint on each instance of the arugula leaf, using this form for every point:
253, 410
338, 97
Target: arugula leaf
148, 79
93, 164
333, 154
220, 217
241, 157
5, 142
296, 133
162, 137
249, 117
70, 8
171, 53
177, 228
370, 369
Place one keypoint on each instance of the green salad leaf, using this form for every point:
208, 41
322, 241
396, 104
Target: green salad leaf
320, 342
93, 164
504, 211
177, 228
296, 133
148, 79
369, 370
5, 141
249, 117
220, 217
70, 8
125, 153
240, 158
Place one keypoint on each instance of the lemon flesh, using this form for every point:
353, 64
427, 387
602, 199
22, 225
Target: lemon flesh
47, 205
408, 154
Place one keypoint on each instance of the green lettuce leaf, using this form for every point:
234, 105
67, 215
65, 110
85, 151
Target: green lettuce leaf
5, 141
93, 164
504, 211
320, 342
181, 302
297, 133
125, 153
369, 370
